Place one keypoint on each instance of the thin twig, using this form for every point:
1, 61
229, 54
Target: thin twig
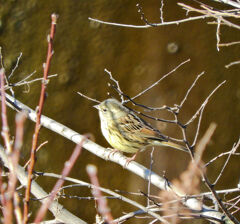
16, 66
39, 112
219, 201
177, 22
201, 146
65, 172
234, 148
125, 199
143, 17
220, 155
117, 158
143, 106
230, 2
7, 201
189, 89
218, 32
198, 128
58, 211
157, 82
24, 82
232, 63
101, 201
14, 160
204, 104
161, 12
216, 14
38, 148
116, 82
5, 127
229, 44
26, 78
89, 98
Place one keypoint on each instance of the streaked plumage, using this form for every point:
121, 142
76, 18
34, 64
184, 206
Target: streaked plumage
126, 132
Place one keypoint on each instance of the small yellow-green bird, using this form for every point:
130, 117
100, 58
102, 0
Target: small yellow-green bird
127, 132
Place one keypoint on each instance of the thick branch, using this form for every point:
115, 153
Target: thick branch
57, 209
106, 154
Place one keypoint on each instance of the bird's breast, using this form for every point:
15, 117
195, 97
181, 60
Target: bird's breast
116, 140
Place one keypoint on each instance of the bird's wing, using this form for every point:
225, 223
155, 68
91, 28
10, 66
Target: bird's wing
134, 125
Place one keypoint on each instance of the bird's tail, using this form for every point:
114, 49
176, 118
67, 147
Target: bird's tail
172, 145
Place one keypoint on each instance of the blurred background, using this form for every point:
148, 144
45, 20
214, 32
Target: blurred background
136, 58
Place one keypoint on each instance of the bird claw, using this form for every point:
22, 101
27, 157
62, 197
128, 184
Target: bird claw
130, 159
113, 151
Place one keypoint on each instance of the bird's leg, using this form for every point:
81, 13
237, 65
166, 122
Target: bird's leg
130, 159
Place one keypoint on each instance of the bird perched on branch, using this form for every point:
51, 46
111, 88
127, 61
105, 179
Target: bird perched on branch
126, 132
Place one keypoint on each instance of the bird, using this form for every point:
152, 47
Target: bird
127, 132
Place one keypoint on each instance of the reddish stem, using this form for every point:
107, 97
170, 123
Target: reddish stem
14, 157
5, 128
101, 201
6, 201
38, 119
66, 170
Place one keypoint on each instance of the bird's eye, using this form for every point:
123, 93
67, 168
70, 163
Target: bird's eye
104, 110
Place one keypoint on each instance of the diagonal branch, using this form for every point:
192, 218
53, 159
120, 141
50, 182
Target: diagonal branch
118, 158
57, 209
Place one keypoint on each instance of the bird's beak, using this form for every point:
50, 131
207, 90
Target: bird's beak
96, 106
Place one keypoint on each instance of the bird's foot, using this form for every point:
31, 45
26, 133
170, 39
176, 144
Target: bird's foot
130, 159
113, 151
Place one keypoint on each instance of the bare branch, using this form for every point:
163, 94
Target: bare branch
232, 63
234, 148
6, 201
190, 89
201, 146
82, 183
38, 120
157, 82
16, 66
117, 157
161, 12
230, 2
101, 201
89, 98
218, 32
59, 212
116, 82
229, 44
177, 22
204, 104
65, 172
